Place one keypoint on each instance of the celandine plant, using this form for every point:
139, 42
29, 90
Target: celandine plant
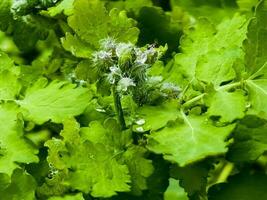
125, 68
133, 100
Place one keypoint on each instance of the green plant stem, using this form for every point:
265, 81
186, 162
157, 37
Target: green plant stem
227, 169
193, 100
118, 107
230, 86
197, 98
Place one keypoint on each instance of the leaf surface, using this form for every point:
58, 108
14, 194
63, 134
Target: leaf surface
227, 105
56, 101
242, 186
174, 191
92, 168
14, 147
196, 132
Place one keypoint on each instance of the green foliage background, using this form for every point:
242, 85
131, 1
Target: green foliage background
133, 99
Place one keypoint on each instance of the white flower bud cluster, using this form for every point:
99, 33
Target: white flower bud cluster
101, 55
114, 73
124, 83
124, 64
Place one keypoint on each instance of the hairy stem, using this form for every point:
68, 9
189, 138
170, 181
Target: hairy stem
118, 107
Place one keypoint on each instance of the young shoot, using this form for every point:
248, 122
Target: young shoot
125, 67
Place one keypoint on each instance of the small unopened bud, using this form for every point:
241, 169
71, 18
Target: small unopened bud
108, 44
124, 83
101, 56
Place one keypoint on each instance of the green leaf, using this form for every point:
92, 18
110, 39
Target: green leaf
11, 88
89, 21
7, 65
108, 134
100, 172
91, 167
256, 46
86, 70
55, 101
204, 46
53, 185
131, 6
250, 140
92, 22
216, 67
28, 30
258, 95
256, 59
22, 186
158, 181
244, 186
4, 180
156, 117
78, 196
196, 132
14, 147
193, 44
174, 191
122, 28
25, 7
139, 167
30, 74
65, 6
76, 46
215, 10
134, 157
247, 5
227, 105
5, 14
5, 62
93, 112
193, 178
8, 71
